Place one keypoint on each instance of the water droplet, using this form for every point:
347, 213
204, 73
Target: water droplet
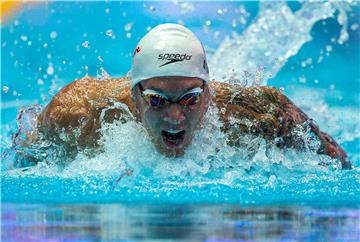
302, 79
86, 44
109, 32
23, 37
100, 58
152, 8
40, 81
320, 59
107, 10
181, 22
316, 81
329, 48
103, 74
5, 89
208, 22
29, 43
332, 87
233, 23
220, 12
50, 70
148, 28
242, 20
45, 45
354, 27
128, 35
267, 53
53, 35
128, 26
282, 88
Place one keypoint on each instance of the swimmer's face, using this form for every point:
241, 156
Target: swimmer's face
171, 109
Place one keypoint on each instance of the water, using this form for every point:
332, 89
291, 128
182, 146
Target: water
179, 223
215, 192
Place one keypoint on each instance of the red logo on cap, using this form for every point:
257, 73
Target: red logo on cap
137, 50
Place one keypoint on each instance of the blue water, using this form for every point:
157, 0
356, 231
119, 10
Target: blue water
199, 197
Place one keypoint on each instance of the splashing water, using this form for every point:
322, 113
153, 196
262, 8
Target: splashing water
276, 34
129, 169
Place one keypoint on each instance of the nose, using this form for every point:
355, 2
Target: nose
174, 114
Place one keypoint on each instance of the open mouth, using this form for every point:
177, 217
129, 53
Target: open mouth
173, 138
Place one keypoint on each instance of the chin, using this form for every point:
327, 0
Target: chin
170, 150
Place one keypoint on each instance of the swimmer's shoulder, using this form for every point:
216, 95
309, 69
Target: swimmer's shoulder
259, 109
83, 99
258, 99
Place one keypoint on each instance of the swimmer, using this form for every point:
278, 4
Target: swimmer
169, 92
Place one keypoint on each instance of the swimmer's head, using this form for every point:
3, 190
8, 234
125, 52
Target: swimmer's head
169, 79
169, 50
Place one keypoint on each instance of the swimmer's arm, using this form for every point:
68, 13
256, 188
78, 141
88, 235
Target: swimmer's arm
267, 112
293, 117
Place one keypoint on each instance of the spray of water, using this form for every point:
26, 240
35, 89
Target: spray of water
276, 34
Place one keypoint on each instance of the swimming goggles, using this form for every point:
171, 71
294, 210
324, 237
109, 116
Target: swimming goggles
156, 99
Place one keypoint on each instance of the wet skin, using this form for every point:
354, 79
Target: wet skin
271, 114
172, 117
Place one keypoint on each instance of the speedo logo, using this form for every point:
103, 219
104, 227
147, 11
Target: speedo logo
172, 58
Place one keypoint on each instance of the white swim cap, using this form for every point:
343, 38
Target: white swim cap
169, 50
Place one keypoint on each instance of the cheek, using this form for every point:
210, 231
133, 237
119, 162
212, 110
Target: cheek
195, 116
152, 119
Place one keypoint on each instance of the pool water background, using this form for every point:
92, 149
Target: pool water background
46, 46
